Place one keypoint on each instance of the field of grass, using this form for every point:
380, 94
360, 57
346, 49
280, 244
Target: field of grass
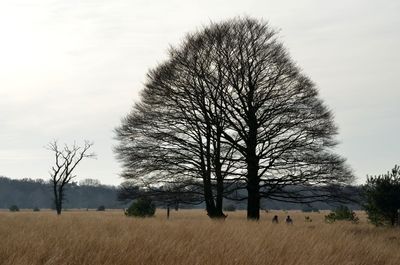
189, 237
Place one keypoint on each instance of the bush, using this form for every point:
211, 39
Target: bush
381, 197
36, 209
143, 207
14, 208
230, 208
342, 213
101, 208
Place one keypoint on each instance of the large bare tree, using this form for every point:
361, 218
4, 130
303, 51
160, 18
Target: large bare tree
230, 106
275, 118
170, 138
66, 160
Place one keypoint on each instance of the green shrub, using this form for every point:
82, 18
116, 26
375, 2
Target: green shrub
36, 209
342, 213
381, 198
230, 208
143, 207
14, 208
101, 208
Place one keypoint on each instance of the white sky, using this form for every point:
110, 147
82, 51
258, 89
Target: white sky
70, 70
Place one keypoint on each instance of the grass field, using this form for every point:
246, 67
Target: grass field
189, 237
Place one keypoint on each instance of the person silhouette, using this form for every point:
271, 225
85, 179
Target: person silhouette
289, 220
275, 219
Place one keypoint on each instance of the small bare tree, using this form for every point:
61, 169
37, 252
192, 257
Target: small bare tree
66, 160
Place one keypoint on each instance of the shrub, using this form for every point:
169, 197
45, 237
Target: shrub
381, 196
143, 207
342, 213
36, 209
230, 208
101, 208
14, 208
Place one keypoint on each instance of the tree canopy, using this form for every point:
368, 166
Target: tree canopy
230, 110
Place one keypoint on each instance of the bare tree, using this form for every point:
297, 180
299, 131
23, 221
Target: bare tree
230, 106
66, 160
173, 137
158, 149
275, 119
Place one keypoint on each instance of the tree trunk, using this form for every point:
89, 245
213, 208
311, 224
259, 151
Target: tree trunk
213, 207
398, 217
168, 211
220, 188
56, 199
253, 200
219, 199
59, 200
220, 194
253, 181
218, 173
212, 210
58, 208
208, 198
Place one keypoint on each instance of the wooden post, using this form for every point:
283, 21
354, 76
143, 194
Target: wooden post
168, 211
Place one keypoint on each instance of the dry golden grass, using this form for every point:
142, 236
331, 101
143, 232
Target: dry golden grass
189, 237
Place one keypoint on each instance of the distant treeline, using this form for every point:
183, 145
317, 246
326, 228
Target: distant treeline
30, 193
89, 193
269, 204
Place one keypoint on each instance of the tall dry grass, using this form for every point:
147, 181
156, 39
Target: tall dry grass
189, 237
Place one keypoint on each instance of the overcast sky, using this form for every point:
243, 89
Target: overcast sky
70, 70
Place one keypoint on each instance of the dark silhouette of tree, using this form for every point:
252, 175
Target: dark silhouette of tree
382, 198
275, 119
230, 108
66, 160
173, 137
